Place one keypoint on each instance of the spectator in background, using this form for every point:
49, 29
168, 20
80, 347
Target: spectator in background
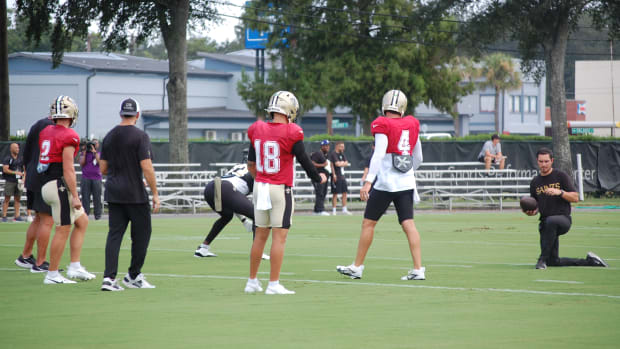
492, 152
366, 166
339, 183
322, 165
12, 172
91, 178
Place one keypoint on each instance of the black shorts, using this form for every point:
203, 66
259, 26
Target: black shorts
380, 200
340, 186
34, 201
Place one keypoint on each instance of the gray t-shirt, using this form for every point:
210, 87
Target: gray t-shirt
493, 149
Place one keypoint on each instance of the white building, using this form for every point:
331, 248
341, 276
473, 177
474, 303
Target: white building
595, 83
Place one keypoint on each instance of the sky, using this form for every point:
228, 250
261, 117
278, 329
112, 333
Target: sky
222, 32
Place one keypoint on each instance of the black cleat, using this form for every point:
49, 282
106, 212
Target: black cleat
541, 264
43, 268
595, 260
25, 263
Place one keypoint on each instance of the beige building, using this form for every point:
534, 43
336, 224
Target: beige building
594, 83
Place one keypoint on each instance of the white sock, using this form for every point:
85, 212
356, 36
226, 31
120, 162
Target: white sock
53, 274
274, 283
204, 246
344, 209
75, 265
334, 209
253, 281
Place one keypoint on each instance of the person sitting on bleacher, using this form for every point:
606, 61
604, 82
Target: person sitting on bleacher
492, 152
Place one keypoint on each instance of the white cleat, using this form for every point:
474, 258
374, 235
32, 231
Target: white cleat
80, 273
57, 280
266, 257
253, 286
278, 289
138, 282
351, 270
110, 285
347, 212
203, 252
415, 274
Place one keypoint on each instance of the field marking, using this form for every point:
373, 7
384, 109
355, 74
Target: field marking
331, 282
560, 281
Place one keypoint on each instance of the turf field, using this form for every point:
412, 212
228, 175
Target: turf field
481, 289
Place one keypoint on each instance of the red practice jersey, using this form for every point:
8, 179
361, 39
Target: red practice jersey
53, 139
402, 133
273, 144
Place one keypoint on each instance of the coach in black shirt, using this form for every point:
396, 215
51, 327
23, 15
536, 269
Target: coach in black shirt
554, 191
125, 157
319, 160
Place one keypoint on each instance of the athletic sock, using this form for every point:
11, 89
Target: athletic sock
53, 274
254, 281
274, 283
204, 246
75, 265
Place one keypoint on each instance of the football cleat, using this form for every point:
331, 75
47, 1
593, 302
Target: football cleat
43, 268
351, 270
203, 252
266, 257
110, 285
25, 263
541, 264
59, 279
138, 282
415, 274
278, 289
80, 273
253, 286
596, 260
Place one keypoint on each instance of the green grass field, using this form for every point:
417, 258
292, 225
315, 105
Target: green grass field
481, 289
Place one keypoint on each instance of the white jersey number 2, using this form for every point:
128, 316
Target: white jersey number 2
267, 156
403, 143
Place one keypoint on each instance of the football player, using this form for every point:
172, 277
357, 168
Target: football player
397, 154
228, 196
274, 145
59, 145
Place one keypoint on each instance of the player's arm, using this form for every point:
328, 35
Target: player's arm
300, 153
5, 169
103, 166
149, 175
381, 143
68, 172
532, 194
252, 161
417, 154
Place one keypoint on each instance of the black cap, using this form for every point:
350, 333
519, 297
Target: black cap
130, 107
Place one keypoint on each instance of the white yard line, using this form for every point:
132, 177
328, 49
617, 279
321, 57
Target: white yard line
560, 281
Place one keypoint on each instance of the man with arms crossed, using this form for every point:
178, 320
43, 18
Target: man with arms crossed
274, 146
397, 153
125, 156
319, 160
339, 183
12, 172
41, 226
58, 146
554, 191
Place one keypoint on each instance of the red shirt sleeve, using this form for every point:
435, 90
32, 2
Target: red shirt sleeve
251, 130
379, 126
296, 134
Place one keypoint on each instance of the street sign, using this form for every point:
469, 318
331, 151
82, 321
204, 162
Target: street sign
582, 131
256, 39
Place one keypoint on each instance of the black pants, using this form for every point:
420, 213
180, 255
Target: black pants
119, 216
232, 202
550, 229
92, 187
320, 191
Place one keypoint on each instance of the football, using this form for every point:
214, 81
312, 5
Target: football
528, 203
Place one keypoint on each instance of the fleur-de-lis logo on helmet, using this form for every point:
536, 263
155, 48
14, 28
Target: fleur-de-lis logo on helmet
283, 102
64, 107
394, 100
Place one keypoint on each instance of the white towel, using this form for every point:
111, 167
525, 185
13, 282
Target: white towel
263, 200
416, 197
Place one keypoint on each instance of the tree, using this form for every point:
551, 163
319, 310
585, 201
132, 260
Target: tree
118, 20
498, 71
340, 53
5, 110
541, 29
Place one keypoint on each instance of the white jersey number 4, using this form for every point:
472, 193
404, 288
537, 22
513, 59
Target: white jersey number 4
403, 143
267, 156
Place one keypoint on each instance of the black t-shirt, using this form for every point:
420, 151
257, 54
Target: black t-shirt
319, 158
123, 148
31, 154
552, 205
334, 157
15, 164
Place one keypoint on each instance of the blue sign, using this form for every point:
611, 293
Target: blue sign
256, 39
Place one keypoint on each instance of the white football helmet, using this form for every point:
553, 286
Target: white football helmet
283, 102
64, 107
394, 100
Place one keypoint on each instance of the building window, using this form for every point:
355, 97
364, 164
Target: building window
515, 104
532, 104
487, 103
210, 135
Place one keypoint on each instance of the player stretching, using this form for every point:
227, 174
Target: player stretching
397, 153
58, 146
274, 146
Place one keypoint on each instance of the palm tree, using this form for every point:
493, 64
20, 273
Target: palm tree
498, 71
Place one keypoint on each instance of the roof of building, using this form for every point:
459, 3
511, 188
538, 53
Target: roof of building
104, 61
246, 58
221, 112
